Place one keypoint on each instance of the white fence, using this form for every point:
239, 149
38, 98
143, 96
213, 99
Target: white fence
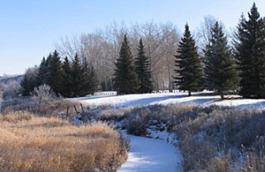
105, 93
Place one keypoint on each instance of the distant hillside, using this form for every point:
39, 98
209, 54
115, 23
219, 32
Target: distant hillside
10, 79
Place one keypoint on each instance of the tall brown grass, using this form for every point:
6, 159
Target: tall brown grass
31, 143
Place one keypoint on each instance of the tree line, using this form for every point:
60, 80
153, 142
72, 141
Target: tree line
101, 49
132, 76
221, 66
238, 68
68, 77
224, 68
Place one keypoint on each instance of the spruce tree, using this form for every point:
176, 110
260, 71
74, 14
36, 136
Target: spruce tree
188, 64
142, 68
125, 78
55, 73
76, 77
29, 81
67, 78
88, 78
43, 71
250, 54
220, 69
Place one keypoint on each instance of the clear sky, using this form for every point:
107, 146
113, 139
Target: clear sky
29, 29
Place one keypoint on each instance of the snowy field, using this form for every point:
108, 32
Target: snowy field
180, 98
149, 154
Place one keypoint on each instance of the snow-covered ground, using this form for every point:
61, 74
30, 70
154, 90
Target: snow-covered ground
156, 154
138, 100
151, 155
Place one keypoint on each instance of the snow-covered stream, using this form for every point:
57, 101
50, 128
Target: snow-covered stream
151, 155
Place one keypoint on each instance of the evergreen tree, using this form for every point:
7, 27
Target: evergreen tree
142, 68
125, 78
67, 78
250, 54
43, 71
76, 77
93, 80
29, 81
220, 69
88, 78
55, 73
188, 64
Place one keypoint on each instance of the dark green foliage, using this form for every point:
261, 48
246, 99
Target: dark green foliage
76, 78
250, 53
88, 79
30, 81
43, 71
55, 73
80, 78
67, 78
143, 70
220, 69
188, 64
125, 78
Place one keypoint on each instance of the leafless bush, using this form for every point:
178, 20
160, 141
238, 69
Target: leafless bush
49, 107
43, 95
212, 138
44, 92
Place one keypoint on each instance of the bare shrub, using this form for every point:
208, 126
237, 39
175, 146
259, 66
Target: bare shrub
41, 106
211, 138
219, 164
44, 92
197, 154
10, 90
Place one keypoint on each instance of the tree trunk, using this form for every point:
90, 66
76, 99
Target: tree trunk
189, 93
222, 95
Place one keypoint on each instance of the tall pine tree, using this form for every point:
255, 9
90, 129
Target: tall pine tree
55, 73
89, 79
43, 71
188, 64
143, 70
125, 78
250, 54
67, 78
76, 77
220, 69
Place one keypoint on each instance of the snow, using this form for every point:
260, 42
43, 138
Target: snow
151, 155
160, 152
199, 99
163, 135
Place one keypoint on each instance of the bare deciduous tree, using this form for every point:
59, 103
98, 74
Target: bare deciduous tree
203, 34
102, 48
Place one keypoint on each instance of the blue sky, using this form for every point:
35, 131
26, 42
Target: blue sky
29, 29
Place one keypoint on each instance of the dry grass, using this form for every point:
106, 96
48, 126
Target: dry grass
46, 107
30, 143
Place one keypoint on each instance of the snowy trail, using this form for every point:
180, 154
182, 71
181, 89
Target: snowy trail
151, 155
